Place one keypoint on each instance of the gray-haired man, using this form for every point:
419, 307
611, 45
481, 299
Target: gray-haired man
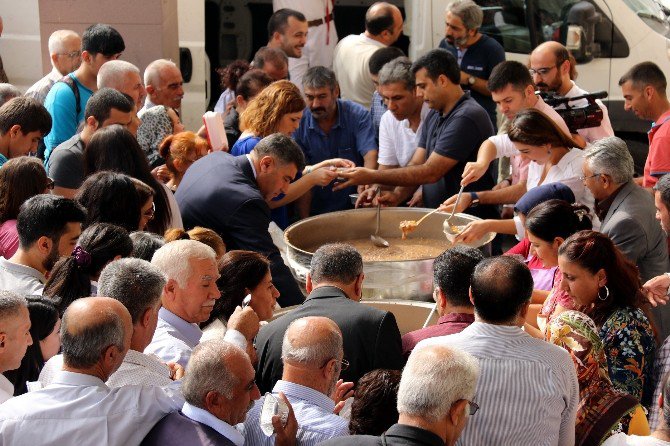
14, 337
219, 389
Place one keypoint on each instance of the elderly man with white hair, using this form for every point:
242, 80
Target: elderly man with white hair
65, 56
124, 77
14, 337
164, 84
627, 213
188, 298
434, 400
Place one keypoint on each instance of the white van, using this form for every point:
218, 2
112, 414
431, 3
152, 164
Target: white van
607, 37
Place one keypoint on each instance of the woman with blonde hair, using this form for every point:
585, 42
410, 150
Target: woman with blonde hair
278, 109
179, 152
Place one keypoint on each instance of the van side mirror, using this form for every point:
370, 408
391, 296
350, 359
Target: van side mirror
580, 36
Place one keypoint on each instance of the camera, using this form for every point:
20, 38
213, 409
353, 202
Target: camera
591, 115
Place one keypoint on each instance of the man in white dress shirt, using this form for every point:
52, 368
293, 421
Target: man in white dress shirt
14, 337
78, 408
312, 355
219, 389
527, 390
188, 298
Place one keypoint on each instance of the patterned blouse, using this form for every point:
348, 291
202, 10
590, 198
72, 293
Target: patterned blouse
629, 347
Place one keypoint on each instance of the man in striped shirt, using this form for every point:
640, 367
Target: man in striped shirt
527, 389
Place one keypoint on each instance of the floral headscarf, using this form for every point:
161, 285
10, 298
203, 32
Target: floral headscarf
156, 126
601, 408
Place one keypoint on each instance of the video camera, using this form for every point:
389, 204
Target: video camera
576, 118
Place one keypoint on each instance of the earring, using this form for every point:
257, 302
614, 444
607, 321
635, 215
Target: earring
607, 293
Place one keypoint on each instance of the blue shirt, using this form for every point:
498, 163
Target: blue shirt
377, 109
61, 105
313, 410
3, 159
350, 138
479, 60
456, 135
244, 146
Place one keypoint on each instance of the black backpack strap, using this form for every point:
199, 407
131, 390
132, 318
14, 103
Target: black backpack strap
75, 90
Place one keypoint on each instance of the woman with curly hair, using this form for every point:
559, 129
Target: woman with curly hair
278, 109
230, 76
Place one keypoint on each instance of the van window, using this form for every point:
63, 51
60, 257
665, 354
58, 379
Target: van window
505, 21
651, 13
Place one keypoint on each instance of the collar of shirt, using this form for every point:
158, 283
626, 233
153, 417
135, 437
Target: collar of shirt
54, 75
6, 389
465, 97
22, 269
65, 378
191, 332
657, 124
3, 159
456, 317
253, 168
206, 418
603, 206
484, 328
304, 393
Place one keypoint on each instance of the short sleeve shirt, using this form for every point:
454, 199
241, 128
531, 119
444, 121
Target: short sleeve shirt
478, 61
66, 163
658, 159
61, 104
351, 138
456, 135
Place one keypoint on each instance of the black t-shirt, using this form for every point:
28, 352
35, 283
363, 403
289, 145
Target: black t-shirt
456, 135
479, 60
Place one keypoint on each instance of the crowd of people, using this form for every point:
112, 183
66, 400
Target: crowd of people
139, 279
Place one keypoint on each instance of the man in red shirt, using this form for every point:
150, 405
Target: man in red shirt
643, 88
451, 276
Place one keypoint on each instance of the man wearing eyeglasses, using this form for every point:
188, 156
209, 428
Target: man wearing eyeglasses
312, 355
65, 56
434, 401
527, 389
553, 69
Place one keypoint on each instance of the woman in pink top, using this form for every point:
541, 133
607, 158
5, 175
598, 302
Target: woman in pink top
20, 179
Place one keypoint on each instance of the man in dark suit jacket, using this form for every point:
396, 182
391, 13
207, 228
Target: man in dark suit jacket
371, 337
219, 389
627, 213
435, 392
229, 195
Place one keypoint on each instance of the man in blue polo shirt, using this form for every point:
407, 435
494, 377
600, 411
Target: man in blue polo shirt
450, 137
332, 128
66, 101
477, 54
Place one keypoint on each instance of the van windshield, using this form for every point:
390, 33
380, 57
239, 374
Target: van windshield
651, 13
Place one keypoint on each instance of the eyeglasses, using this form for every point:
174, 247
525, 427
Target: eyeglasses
149, 213
474, 407
72, 54
541, 71
344, 362
583, 178
50, 184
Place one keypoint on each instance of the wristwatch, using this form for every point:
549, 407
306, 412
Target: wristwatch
472, 80
474, 199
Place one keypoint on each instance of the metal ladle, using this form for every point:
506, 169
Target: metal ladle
448, 227
375, 238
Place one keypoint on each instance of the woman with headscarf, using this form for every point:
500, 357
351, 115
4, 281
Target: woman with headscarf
158, 123
602, 410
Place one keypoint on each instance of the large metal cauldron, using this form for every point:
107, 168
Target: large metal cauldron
397, 279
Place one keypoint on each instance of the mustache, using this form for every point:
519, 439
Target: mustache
318, 109
542, 84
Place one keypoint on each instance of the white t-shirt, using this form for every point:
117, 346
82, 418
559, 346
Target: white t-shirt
350, 65
397, 140
622, 439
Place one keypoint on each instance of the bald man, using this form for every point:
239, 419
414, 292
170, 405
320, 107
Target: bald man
78, 408
312, 355
553, 68
383, 25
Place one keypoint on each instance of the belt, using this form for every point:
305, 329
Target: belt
321, 21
